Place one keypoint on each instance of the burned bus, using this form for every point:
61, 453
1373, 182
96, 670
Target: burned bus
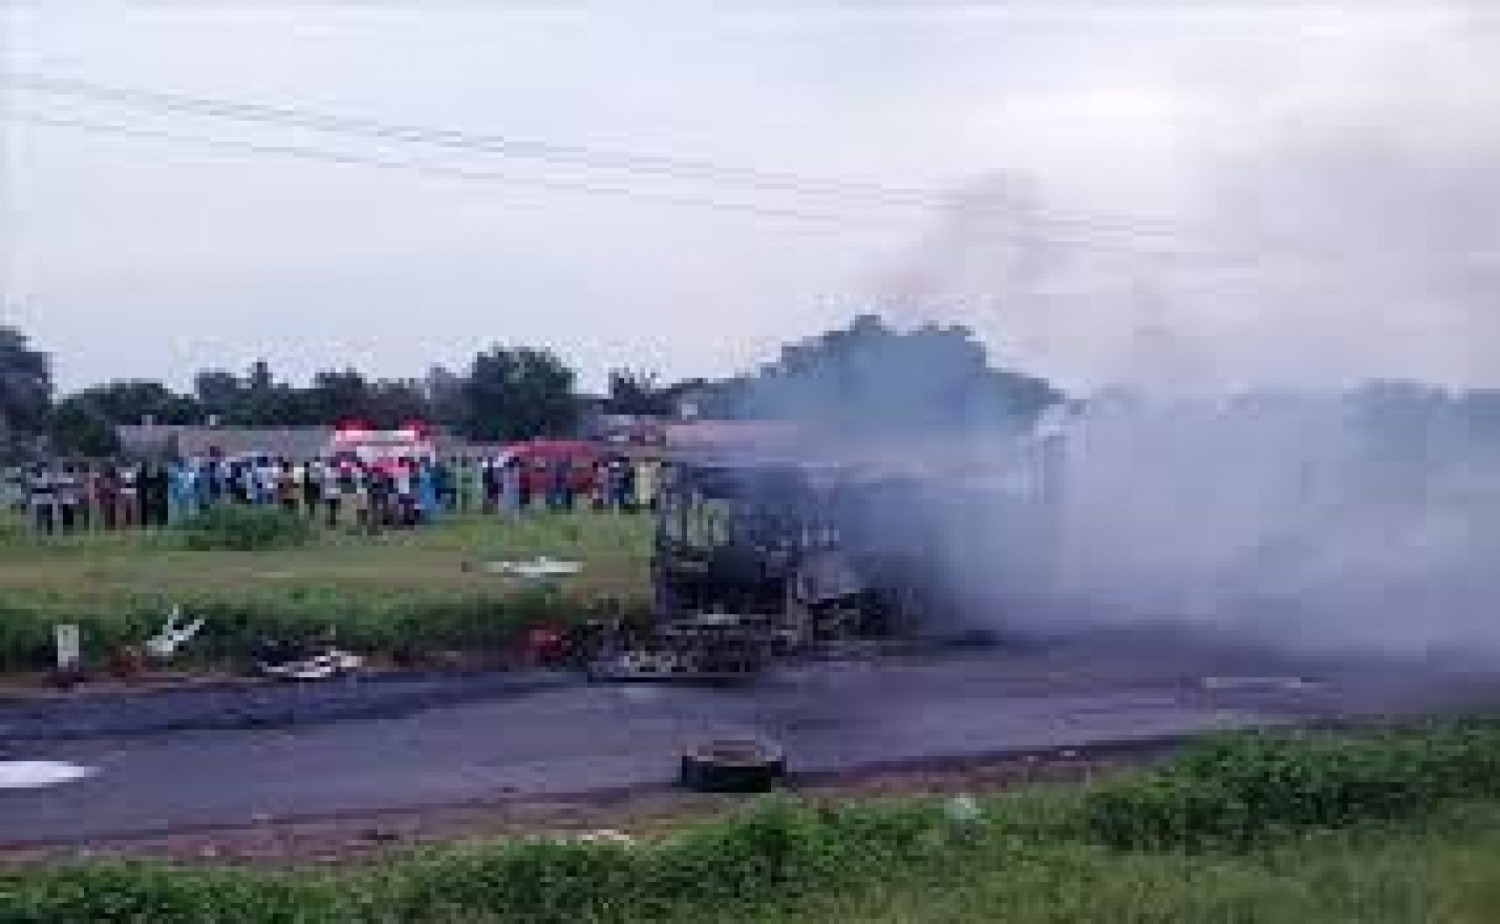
755, 556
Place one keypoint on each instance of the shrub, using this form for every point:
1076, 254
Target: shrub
405, 625
246, 529
1244, 788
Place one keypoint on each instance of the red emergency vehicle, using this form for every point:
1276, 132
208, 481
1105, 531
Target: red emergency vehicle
540, 457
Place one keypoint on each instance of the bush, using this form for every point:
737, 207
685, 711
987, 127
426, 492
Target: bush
773, 856
402, 625
1242, 789
246, 529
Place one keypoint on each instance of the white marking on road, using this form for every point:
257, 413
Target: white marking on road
640, 694
36, 774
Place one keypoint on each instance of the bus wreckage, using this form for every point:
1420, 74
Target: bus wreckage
756, 559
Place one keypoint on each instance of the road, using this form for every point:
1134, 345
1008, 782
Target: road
574, 738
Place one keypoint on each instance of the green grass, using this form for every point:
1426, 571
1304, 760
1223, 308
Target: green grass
1031, 856
1444, 871
397, 589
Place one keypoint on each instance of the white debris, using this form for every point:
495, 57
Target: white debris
606, 837
36, 774
538, 569
963, 809
172, 636
331, 663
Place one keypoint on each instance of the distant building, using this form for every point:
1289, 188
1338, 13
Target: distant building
721, 437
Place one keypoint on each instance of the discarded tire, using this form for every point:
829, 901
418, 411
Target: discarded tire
732, 766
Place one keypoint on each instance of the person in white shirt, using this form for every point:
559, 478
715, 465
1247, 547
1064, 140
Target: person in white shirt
42, 494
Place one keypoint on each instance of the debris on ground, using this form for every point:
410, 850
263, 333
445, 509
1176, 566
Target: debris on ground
173, 635
538, 569
36, 774
290, 661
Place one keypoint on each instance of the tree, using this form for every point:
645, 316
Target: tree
638, 393
868, 377
79, 427
394, 402
25, 393
336, 396
266, 402
446, 398
132, 401
218, 394
516, 393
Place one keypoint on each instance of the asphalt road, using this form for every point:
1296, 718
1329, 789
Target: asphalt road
574, 738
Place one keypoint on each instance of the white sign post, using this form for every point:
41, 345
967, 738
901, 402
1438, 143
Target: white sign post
69, 649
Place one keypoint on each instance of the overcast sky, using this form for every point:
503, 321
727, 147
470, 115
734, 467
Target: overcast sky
1249, 193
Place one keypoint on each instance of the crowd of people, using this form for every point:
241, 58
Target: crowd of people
339, 491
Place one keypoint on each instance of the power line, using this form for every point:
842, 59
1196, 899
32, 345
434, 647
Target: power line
575, 155
681, 169
1026, 235
462, 173
437, 170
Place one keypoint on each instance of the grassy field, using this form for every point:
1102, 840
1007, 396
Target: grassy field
1409, 844
1445, 870
371, 589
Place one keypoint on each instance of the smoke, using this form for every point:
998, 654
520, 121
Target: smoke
1332, 213
1243, 479
1361, 522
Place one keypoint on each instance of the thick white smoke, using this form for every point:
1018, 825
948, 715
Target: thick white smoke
1349, 233
1300, 520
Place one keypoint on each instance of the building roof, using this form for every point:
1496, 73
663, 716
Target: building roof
287, 442
296, 443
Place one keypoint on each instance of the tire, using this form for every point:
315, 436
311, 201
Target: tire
732, 767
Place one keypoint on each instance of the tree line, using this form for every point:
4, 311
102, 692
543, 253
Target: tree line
864, 374
865, 378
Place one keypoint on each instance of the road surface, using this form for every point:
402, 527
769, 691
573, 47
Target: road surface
569, 738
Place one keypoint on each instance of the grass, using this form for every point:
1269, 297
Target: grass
1030, 856
1447, 869
403, 587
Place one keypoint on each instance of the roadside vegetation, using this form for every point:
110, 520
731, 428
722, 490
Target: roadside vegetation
406, 593
1373, 826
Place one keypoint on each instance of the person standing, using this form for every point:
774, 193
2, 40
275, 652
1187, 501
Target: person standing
333, 492
512, 478
287, 485
247, 482
128, 502
182, 499
69, 494
629, 502
42, 495
109, 498
557, 485
381, 486
207, 483
312, 488
489, 479
599, 485
156, 492
354, 485
467, 475
88, 509
647, 480
428, 492
444, 476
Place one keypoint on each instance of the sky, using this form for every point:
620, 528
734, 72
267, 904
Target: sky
1151, 193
